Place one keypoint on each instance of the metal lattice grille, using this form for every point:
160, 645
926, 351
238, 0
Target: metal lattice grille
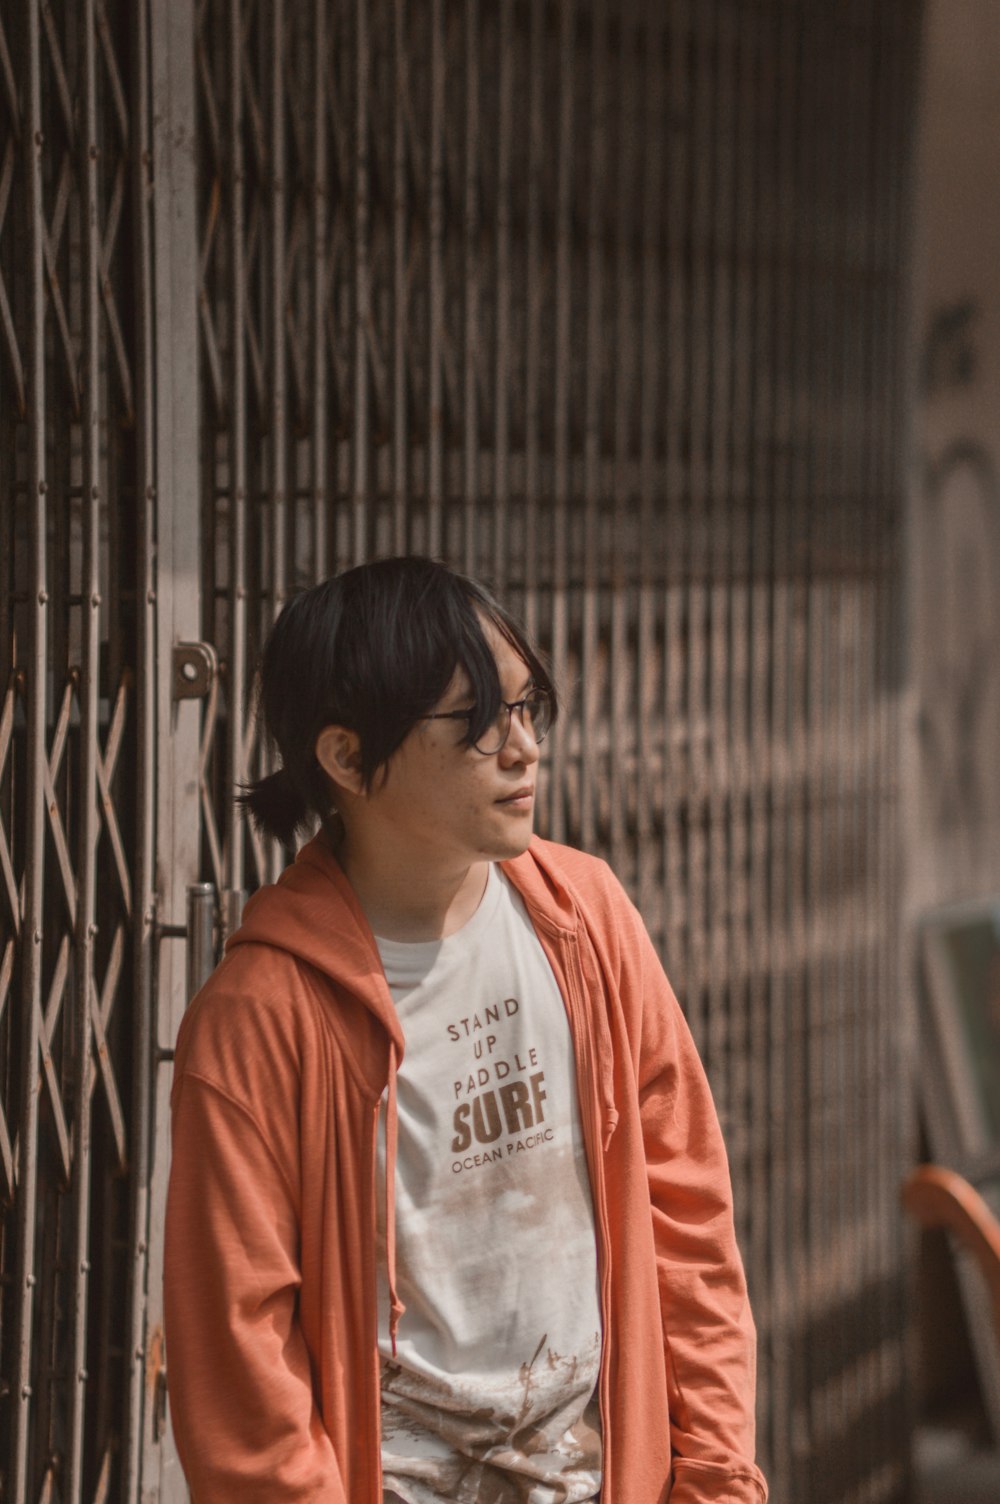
600, 302
74, 845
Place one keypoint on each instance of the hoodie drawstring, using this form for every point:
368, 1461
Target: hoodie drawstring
396, 1306
603, 1044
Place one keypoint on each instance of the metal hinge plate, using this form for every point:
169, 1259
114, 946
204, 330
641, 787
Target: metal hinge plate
195, 666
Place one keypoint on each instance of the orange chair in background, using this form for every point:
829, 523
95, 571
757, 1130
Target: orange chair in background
938, 1197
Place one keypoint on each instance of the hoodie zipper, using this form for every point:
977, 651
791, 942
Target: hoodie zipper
590, 1099
372, 1263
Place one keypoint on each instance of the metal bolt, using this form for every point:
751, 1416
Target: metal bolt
82, 1376
151, 597
30, 1281
26, 1391
95, 599
43, 597
42, 488
189, 672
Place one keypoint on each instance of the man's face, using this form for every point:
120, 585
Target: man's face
450, 804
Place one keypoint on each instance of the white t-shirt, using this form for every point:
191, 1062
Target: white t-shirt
492, 1394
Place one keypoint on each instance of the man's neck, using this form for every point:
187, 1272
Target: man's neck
410, 901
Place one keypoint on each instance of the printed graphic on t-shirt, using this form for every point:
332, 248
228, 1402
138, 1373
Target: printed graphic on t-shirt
500, 1091
492, 1394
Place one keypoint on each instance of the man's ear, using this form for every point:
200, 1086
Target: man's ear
338, 752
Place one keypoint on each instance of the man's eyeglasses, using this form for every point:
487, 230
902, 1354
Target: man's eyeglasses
534, 711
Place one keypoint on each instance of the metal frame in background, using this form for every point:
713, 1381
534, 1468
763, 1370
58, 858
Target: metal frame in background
631, 352
77, 650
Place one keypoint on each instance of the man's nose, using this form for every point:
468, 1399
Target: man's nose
520, 745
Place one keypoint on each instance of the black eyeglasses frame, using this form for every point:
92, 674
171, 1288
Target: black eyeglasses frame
510, 706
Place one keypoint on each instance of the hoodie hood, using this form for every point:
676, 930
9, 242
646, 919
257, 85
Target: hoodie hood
312, 912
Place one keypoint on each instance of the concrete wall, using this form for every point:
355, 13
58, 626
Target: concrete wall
952, 759
954, 624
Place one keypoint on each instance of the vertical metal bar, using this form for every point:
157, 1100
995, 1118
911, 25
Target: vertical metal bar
847, 775
738, 133
799, 582
501, 434
362, 287
472, 292
145, 697
622, 712
674, 481
533, 295
237, 479
27, 1179
400, 250
898, 1014
435, 375
279, 362
200, 927
562, 458
714, 444
760, 773
871, 1027
588, 770
865, 897
695, 328
651, 725
809, 764
780, 959
175, 614
87, 785
895, 1117
319, 453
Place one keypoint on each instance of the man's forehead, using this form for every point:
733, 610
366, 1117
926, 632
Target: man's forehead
513, 672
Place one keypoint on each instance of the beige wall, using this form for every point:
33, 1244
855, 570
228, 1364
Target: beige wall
951, 783
954, 622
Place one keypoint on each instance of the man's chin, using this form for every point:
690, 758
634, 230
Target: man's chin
513, 845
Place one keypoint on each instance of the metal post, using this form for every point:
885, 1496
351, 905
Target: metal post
177, 605
31, 993
201, 929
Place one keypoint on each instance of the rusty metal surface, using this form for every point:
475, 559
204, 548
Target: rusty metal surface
600, 302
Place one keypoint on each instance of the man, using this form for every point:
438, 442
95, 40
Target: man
449, 1216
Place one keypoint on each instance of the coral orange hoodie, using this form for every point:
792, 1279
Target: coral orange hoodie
280, 1066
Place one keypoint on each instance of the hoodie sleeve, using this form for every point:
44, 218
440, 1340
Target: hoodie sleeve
708, 1330
241, 1394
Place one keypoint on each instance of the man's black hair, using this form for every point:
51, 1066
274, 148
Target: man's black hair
373, 649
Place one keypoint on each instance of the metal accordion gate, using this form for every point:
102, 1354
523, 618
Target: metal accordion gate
600, 301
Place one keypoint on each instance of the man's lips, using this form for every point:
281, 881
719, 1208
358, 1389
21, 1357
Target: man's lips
519, 796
